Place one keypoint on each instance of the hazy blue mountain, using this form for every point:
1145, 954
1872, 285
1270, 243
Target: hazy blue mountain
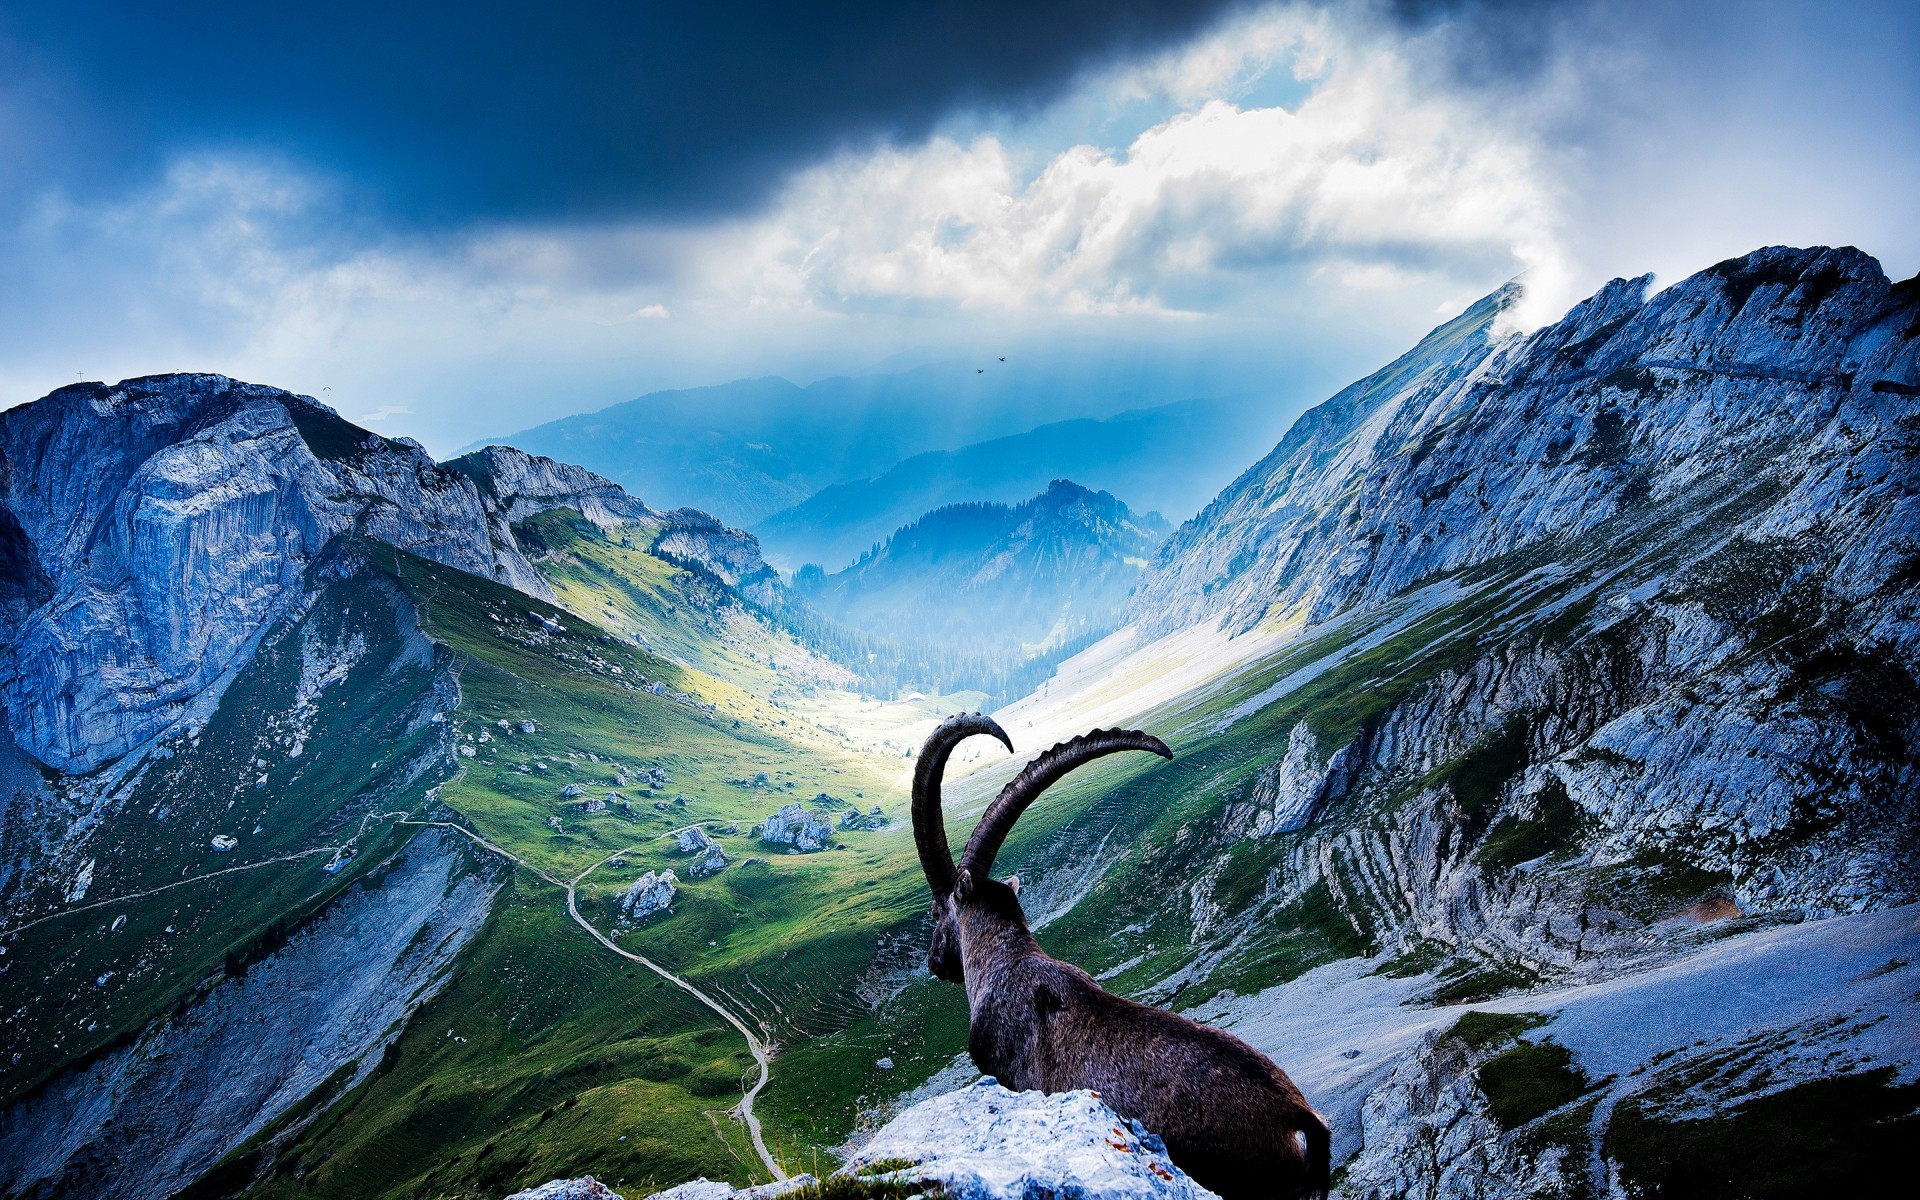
996, 577
747, 449
1171, 459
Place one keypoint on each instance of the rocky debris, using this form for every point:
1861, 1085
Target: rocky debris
584, 1188
594, 806
1287, 795
150, 1118
572, 791
651, 893
692, 840
797, 829
553, 823
224, 842
707, 1189
853, 818
709, 863
984, 1142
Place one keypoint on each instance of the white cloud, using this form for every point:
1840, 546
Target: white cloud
1305, 188
1367, 180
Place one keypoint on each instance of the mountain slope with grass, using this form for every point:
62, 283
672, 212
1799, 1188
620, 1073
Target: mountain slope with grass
1536, 694
313, 929
1529, 664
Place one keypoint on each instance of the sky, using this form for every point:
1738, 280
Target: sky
456, 221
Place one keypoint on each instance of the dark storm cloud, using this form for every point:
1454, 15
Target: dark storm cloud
445, 112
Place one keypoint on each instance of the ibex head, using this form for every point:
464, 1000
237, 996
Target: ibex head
969, 884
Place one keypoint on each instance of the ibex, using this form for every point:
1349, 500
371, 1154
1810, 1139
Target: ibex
1230, 1118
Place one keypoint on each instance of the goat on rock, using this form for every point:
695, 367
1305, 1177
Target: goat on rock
1230, 1118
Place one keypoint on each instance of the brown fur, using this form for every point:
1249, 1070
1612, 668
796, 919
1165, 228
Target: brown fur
1230, 1118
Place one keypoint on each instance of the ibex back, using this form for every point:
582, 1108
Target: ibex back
1231, 1118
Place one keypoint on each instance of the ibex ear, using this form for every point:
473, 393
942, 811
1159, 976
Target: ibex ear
1013, 881
963, 886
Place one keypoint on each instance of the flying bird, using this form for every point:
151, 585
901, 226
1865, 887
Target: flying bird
979, 370
1003, 358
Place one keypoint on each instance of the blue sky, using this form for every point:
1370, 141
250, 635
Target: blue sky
454, 221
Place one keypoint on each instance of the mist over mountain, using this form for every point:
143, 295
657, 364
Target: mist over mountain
755, 447
1171, 459
378, 827
1024, 577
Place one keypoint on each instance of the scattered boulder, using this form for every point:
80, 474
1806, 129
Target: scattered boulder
651, 893
797, 829
984, 1142
584, 1188
709, 863
707, 1189
693, 839
572, 790
224, 842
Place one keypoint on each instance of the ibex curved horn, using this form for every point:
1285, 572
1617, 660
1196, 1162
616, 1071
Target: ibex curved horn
929, 824
1039, 775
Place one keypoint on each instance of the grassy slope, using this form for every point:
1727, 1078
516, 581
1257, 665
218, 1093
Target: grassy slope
550, 1017
53, 1009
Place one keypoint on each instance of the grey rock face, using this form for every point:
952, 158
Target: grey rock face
797, 828
1463, 451
1687, 520
710, 863
692, 840
987, 1143
651, 893
150, 531
148, 1119
584, 1188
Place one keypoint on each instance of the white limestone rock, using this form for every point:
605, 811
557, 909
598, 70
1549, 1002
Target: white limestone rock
796, 828
651, 893
584, 1188
984, 1142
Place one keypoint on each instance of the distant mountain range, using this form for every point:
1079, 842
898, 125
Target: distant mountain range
746, 450
1169, 459
1020, 578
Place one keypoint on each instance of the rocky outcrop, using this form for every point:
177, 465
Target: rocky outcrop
797, 829
651, 893
165, 522
148, 1119
516, 485
712, 862
1463, 451
150, 530
584, 1188
692, 840
984, 1142
693, 538
987, 1143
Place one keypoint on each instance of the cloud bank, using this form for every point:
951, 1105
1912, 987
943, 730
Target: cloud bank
1284, 198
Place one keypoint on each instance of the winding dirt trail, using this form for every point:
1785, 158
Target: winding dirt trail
755, 1046
758, 1048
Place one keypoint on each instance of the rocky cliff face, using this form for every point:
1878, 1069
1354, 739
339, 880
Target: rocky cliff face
151, 530
1793, 366
149, 1119
1575, 651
